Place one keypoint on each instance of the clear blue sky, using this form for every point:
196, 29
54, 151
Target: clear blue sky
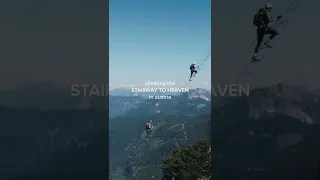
157, 40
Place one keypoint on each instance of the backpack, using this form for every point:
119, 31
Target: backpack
256, 20
191, 67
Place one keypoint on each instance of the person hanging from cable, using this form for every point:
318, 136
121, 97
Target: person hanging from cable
262, 20
193, 70
149, 127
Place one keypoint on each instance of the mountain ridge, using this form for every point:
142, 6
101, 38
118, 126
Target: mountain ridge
271, 138
260, 134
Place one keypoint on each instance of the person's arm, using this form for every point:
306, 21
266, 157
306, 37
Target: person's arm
271, 19
269, 16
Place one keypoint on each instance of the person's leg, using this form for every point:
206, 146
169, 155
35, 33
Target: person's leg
273, 33
195, 72
260, 34
191, 73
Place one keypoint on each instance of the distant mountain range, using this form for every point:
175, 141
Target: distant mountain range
274, 131
49, 96
43, 140
271, 134
128, 105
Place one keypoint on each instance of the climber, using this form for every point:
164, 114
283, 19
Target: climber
262, 21
148, 127
193, 70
